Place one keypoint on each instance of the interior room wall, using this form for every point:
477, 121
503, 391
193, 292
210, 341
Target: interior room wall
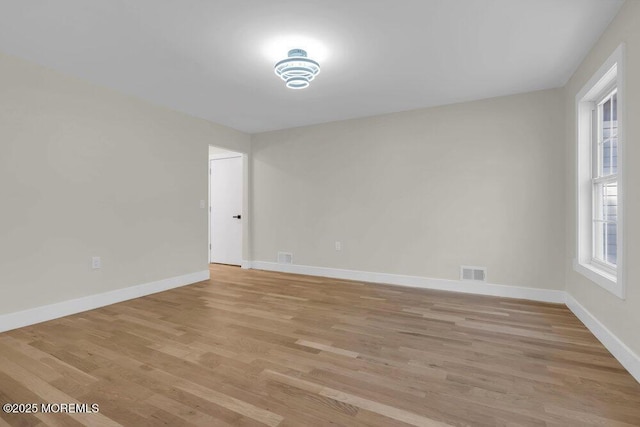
421, 192
621, 317
86, 171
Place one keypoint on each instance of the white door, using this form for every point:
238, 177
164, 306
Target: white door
226, 210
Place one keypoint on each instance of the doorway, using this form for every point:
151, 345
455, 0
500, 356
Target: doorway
226, 186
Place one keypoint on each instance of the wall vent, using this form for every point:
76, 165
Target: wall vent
478, 274
285, 258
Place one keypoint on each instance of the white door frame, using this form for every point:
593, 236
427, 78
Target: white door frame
245, 202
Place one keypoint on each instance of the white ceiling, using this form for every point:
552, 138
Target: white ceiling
214, 58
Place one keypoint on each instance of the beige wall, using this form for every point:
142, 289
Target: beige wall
420, 192
621, 317
86, 171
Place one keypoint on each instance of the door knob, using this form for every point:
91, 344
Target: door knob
237, 216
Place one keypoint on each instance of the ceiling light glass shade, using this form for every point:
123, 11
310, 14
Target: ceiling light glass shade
297, 70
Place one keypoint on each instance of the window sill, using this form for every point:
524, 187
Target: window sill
604, 279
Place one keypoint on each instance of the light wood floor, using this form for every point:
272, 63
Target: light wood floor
259, 348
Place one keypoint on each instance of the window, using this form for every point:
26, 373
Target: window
599, 188
605, 182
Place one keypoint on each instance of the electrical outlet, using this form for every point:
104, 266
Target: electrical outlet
96, 263
338, 246
285, 258
202, 204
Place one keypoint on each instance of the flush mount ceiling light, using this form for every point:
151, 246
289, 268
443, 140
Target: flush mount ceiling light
297, 70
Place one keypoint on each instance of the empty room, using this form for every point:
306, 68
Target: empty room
322, 212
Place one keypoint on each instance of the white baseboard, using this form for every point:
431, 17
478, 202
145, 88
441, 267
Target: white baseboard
43, 313
626, 356
469, 287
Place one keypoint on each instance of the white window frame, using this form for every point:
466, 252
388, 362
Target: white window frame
610, 76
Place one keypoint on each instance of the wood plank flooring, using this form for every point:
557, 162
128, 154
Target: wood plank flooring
260, 348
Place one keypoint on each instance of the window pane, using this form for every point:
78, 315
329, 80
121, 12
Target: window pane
606, 111
610, 201
611, 250
610, 210
605, 222
608, 139
599, 237
614, 155
606, 158
613, 163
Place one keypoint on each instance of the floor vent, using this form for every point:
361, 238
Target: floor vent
285, 258
478, 274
